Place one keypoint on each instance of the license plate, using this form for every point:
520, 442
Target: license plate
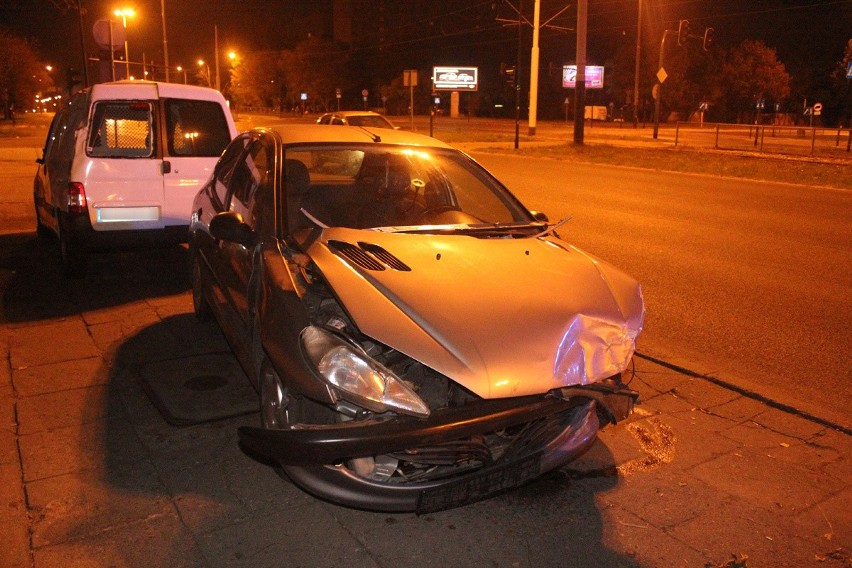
478, 486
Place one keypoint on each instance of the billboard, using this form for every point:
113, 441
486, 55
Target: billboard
594, 76
455, 78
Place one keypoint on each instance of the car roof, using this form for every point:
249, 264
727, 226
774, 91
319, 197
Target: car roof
128, 89
316, 133
354, 113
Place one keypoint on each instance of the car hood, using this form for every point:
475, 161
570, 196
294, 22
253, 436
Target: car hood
500, 316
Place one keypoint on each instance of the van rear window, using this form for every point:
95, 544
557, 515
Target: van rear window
121, 129
196, 128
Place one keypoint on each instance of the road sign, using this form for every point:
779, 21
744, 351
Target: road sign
849, 70
364, 92
337, 93
817, 109
655, 91
662, 75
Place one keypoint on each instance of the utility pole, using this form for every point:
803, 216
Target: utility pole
216, 54
518, 75
636, 75
166, 41
580, 85
534, 69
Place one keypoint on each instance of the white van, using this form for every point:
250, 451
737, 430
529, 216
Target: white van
123, 162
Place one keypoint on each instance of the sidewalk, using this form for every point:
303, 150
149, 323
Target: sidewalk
92, 475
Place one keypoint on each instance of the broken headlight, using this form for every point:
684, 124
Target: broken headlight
357, 378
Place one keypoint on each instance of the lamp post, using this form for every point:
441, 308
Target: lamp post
179, 69
203, 65
124, 13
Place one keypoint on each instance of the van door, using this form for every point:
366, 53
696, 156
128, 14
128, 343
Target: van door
196, 134
123, 177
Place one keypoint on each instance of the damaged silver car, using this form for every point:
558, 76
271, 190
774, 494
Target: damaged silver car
418, 338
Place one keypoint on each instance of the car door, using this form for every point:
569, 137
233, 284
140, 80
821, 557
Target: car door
122, 175
196, 133
250, 184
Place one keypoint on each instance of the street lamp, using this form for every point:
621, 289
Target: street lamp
124, 13
203, 65
179, 69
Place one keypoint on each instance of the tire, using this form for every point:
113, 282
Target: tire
72, 257
278, 409
42, 231
200, 306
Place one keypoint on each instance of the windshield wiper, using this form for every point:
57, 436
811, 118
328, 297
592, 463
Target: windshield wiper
478, 229
552, 228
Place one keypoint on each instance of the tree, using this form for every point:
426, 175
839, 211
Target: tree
843, 87
751, 72
316, 67
258, 80
22, 75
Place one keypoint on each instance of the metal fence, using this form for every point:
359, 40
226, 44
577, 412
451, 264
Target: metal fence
792, 140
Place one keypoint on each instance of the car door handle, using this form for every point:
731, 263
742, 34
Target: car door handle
167, 167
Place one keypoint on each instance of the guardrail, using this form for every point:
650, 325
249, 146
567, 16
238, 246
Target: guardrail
794, 140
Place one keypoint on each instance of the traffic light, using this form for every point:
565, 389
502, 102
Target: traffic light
708, 38
507, 73
682, 32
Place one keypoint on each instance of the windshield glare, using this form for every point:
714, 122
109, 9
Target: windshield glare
372, 186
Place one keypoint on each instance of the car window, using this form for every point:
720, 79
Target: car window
369, 121
338, 121
375, 186
196, 128
121, 129
250, 180
225, 168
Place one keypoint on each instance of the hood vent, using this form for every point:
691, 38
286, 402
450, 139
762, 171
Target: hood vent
368, 256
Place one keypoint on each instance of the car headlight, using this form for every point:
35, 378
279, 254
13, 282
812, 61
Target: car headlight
357, 378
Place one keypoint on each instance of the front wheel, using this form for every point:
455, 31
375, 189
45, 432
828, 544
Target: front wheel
278, 408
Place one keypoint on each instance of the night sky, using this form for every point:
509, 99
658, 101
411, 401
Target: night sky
807, 34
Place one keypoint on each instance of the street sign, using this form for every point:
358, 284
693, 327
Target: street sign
337, 93
849, 70
409, 78
817, 109
364, 92
655, 91
662, 75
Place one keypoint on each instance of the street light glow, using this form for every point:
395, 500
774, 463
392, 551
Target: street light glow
125, 13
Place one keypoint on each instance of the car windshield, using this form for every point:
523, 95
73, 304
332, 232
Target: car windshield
394, 188
368, 120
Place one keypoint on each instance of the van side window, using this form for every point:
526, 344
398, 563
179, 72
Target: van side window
121, 129
196, 128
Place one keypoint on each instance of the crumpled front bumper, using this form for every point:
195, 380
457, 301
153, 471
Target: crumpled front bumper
311, 455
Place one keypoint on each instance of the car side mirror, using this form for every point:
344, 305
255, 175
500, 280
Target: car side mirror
229, 226
539, 216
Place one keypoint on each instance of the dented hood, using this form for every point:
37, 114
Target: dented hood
500, 316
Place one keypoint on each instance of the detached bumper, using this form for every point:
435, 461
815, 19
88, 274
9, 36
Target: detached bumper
311, 455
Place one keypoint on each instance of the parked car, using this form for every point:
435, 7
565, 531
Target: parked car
418, 338
364, 118
122, 163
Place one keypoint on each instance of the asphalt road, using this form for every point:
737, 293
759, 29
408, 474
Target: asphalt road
745, 281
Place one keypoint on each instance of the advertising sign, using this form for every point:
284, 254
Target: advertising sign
594, 76
455, 78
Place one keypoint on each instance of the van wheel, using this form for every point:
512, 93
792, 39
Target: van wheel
71, 256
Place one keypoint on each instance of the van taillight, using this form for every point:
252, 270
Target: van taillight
76, 197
